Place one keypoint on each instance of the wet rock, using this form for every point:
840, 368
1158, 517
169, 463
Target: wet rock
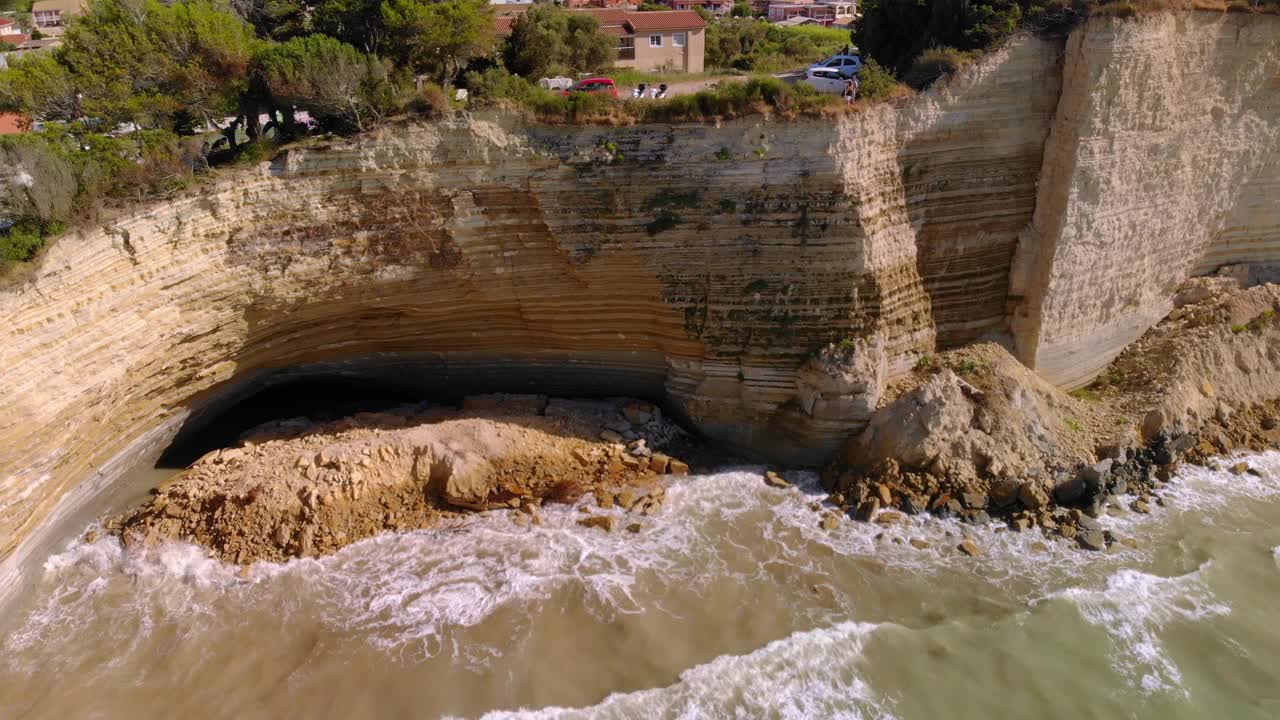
626, 499
868, 509
1119, 487
1003, 493
974, 500
1141, 507
1096, 475
1020, 524
969, 547
830, 521
639, 448
677, 467
1039, 547
602, 522
610, 436
1032, 496
633, 528
659, 463
1128, 542
889, 517
912, 505
1069, 489
886, 495
919, 544
1084, 522
1092, 540
773, 479
1239, 468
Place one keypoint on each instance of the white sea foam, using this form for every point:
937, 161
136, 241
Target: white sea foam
1134, 607
413, 595
812, 674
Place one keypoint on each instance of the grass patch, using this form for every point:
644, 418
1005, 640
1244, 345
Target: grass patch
1237, 329
1085, 393
1073, 424
967, 366
924, 363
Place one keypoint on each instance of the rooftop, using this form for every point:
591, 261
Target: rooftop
665, 20
66, 6
623, 22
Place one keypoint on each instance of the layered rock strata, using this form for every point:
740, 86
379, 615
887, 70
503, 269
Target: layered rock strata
1163, 161
698, 265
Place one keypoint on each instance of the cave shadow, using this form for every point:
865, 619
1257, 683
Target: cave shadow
298, 402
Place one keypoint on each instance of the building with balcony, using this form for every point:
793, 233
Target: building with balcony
827, 12
55, 13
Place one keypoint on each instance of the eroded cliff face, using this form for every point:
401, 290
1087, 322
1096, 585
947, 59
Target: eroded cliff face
1163, 162
703, 266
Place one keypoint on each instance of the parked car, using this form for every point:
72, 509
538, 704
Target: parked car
558, 82
848, 65
593, 85
825, 80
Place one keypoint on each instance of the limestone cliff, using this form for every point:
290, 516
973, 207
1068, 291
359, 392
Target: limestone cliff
1163, 161
700, 265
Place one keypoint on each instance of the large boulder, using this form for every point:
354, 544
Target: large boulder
843, 381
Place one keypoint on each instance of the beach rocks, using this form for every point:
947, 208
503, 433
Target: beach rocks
969, 547
830, 521
867, 509
1032, 496
601, 522
1092, 540
773, 479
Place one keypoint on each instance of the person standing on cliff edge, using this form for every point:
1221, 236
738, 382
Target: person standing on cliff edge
850, 90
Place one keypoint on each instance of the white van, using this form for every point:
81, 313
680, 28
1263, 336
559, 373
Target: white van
825, 80
848, 65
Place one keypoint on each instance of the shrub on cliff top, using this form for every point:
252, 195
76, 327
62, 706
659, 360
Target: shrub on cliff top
934, 63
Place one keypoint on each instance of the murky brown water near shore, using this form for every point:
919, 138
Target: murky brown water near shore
732, 603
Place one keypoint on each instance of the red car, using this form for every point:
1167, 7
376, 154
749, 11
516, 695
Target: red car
593, 85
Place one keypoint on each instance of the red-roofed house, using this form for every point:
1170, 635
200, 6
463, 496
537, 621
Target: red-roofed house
659, 41
14, 123
9, 27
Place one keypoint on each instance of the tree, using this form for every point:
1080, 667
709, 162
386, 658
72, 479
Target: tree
158, 65
340, 86
548, 40
896, 32
38, 84
741, 9
41, 184
439, 38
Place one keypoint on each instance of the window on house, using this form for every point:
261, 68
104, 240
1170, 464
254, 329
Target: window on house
655, 41
627, 48
678, 39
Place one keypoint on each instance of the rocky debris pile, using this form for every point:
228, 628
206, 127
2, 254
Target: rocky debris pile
643, 500
974, 435
305, 490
